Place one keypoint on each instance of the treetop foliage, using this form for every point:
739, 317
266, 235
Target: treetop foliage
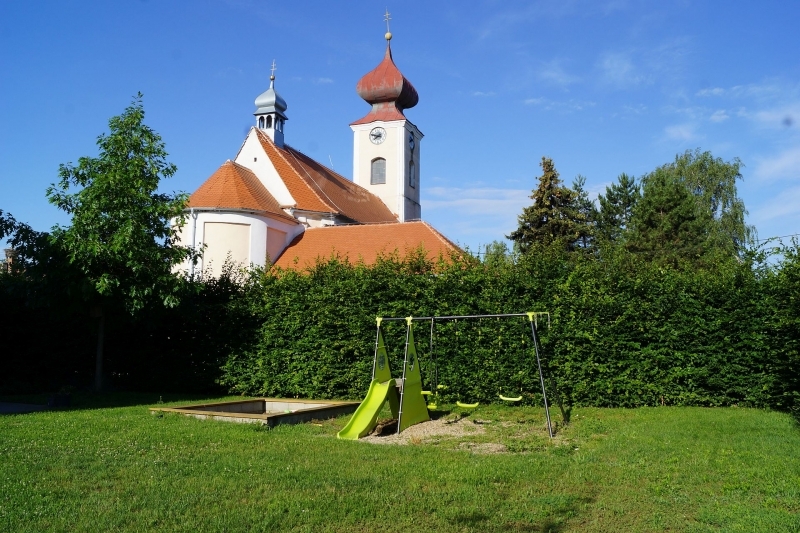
690, 208
120, 237
555, 215
616, 207
668, 221
683, 210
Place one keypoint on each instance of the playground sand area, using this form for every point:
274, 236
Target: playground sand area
434, 430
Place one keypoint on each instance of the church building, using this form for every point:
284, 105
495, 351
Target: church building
272, 204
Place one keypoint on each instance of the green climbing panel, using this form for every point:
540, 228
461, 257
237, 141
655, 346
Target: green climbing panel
412, 404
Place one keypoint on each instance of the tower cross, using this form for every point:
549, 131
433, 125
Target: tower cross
387, 17
272, 70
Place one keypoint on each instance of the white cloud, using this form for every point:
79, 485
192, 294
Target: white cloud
714, 91
690, 112
323, 81
474, 215
483, 93
506, 23
229, 72
719, 116
552, 72
785, 165
681, 132
759, 90
634, 109
555, 105
480, 201
778, 117
751, 90
618, 69
783, 205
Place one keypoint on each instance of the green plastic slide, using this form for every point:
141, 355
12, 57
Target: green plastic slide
365, 418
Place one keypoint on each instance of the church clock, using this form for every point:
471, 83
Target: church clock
377, 135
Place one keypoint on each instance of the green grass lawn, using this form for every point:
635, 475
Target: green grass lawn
109, 465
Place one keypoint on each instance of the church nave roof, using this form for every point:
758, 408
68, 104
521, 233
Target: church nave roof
233, 186
364, 242
315, 187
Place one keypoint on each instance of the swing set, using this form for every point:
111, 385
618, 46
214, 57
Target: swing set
405, 395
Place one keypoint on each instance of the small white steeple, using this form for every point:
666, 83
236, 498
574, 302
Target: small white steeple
270, 107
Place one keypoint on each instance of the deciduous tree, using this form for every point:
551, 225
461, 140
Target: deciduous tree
690, 207
121, 237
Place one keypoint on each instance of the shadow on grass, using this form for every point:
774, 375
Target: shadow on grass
555, 523
558, 519
436, 414
107, 400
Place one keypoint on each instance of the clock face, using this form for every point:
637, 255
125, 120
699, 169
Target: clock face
411, 143
377, 135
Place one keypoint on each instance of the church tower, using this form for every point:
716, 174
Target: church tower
386, 144
270, 107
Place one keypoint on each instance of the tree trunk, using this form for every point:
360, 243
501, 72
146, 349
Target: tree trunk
98, 362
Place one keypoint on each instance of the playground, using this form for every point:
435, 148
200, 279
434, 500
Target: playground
460, 461
113, 467
406, 396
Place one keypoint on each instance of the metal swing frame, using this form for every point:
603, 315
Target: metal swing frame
532, 316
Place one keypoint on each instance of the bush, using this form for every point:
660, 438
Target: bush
623, 331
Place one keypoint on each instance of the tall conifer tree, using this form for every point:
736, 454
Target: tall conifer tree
691, 207
668, 222
616, 207
587, 210
554, 215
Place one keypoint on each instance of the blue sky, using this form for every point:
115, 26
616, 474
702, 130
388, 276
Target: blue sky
600, 87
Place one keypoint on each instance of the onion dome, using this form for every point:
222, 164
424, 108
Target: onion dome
387, 90
270, 101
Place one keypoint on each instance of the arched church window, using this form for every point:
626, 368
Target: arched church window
412, 175
269, 122
378, 172
261, 123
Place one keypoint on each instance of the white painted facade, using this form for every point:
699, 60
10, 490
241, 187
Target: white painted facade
401, 192
248, 238
252, 156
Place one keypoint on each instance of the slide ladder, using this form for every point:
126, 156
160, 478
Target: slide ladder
408, 406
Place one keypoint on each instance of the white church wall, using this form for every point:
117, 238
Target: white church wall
397, 153
276, 242
226, 241
252, 156
364, 152
314, 219
265, 237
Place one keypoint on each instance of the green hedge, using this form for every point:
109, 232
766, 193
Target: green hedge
624, 332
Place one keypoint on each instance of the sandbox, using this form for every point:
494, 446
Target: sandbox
267, 411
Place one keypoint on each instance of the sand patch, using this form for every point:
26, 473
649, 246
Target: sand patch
424, 431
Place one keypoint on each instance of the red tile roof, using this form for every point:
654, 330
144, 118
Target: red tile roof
363, 242
315, 187
233, 186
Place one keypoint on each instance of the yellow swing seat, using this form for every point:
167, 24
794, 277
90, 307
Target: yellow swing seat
507, 399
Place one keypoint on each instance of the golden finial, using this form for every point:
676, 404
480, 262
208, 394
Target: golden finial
387, 18
272, 71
